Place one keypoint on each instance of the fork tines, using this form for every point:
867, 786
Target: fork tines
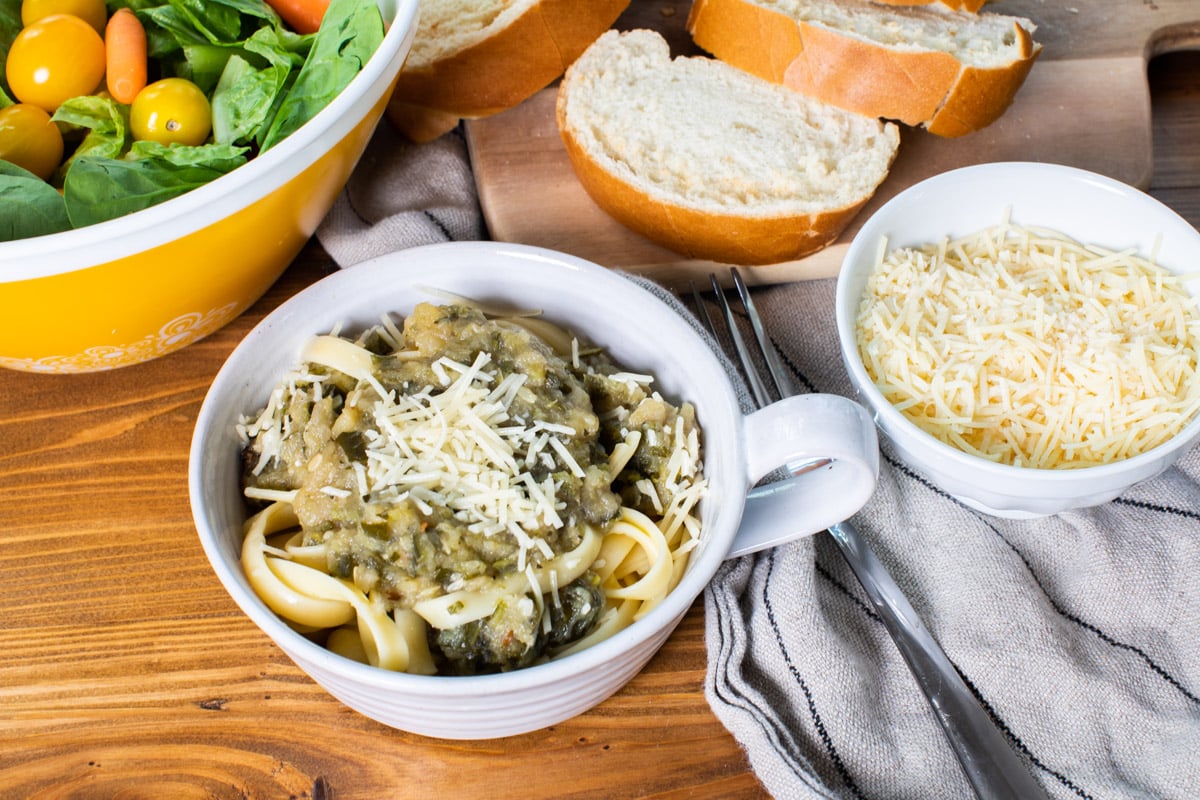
775, 371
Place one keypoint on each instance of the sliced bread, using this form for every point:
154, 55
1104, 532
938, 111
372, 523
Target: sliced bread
473, 58
710, 161
952, 72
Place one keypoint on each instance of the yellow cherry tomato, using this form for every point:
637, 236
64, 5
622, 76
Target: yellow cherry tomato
54, 59
92, 12
171, 111
29, 139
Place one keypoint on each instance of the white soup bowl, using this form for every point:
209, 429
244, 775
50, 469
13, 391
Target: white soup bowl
642, 333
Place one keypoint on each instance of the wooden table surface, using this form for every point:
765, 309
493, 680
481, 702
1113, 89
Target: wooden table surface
126, 671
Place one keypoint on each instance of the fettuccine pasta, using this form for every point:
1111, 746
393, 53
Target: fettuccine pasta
460, 496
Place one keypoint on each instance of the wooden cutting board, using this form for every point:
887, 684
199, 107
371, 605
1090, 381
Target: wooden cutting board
1086, 103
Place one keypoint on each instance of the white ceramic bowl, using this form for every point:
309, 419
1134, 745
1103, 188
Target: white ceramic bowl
642, 333
1088, 207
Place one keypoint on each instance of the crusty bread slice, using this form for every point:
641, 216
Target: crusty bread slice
952, 72
473, 58
710, 161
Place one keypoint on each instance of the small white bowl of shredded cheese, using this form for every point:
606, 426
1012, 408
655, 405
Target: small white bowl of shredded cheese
1025, 334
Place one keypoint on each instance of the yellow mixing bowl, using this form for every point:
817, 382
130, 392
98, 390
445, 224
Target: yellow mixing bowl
141, 286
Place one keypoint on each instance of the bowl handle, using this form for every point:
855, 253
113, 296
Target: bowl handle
829, 444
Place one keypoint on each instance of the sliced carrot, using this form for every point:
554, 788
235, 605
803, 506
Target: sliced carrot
125, 54
304, 16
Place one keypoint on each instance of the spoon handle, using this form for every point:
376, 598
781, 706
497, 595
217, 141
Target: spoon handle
992, 767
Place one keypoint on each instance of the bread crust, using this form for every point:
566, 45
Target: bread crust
724, 238
419, 124
908, 87
971, 6
979, 96
501, 71
926, 88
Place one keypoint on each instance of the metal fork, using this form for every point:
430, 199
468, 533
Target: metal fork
992, 767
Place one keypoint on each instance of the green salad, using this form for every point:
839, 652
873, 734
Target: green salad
263, 81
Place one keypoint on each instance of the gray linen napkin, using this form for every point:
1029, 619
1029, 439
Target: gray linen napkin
403, 195
1080, 633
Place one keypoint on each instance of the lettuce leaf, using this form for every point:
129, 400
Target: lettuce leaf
106, 124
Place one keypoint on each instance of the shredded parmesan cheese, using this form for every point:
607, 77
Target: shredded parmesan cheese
463, 441
1025, 347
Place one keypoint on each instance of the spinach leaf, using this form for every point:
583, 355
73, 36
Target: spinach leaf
214, 21
167, 32
350, 33
10, 26
28, 205
255, 9
98, 189
178, 23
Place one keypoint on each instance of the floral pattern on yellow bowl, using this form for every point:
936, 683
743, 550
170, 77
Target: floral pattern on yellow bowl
178, 333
